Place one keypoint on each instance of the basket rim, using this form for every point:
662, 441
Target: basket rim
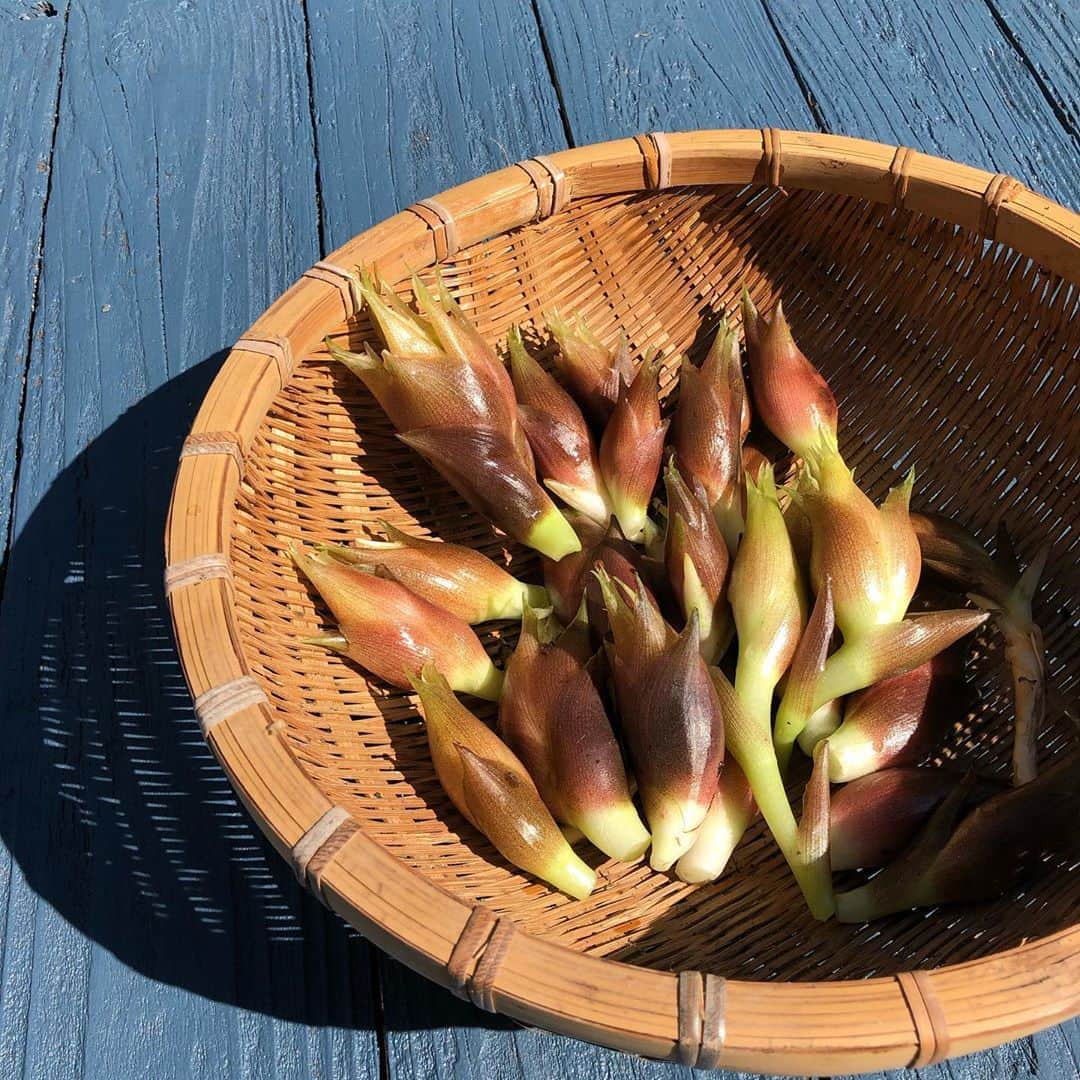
910, 1019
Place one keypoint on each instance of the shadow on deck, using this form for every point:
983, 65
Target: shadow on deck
112, 805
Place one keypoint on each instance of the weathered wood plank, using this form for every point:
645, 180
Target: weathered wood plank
1047, 32
147, 929
31, 45
411, 98
629, 67
939, 76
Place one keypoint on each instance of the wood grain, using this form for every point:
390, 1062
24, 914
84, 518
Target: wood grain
1047, 35
938, 76
31, 47
625, 67
411, 98
149, 930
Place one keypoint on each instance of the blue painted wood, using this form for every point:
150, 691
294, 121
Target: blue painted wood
30, 50
1047, 34
938, 75
624, 67
147, 930
413, 97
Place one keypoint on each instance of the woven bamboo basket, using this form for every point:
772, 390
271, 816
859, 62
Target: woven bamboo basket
939, 301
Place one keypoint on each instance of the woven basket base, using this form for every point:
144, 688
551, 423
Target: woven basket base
945, 353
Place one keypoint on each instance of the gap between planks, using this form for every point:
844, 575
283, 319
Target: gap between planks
35, 297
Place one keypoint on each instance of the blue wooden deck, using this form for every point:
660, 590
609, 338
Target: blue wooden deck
167, 167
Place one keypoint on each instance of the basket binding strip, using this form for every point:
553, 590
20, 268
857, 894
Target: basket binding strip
511, 952
216, 705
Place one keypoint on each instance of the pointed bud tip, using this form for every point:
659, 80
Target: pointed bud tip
749, 311
334, 642
777, 329
358, 363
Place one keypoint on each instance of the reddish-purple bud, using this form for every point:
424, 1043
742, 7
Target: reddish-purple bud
871, 554
571, 579
491, 787
697, 563
900, 720
564, 447
463, 581
622, 562
992, 849
392, 632
632, 449
424, 391
483, 465
638, 630
552, 716
711, 420
593, 372
675, 732
873, 818
460, 339
789, 392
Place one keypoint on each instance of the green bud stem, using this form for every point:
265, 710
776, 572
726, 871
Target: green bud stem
747, 710
763, 773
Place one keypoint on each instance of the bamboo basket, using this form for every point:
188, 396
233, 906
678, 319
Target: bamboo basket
939, 301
